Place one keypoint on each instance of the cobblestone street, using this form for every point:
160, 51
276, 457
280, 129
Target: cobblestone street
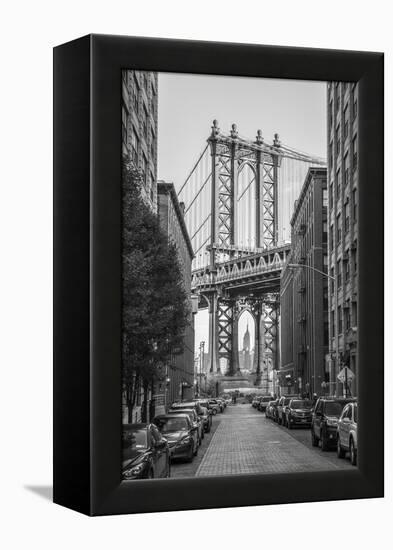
243, 441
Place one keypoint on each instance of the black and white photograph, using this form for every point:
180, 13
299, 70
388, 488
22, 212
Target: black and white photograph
239, 275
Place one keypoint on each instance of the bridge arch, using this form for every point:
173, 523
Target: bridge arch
244, 219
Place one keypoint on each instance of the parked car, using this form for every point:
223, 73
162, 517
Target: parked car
214, 405
347, 432
273, 409
298, 413
263, 401
221, 404
207, 419
194, 417
181, 435
255, 401
282, 403
269, 409
325, 419
145, 452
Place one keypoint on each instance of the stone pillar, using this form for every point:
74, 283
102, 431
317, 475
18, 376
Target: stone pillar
213, 347
258, 348
234, 367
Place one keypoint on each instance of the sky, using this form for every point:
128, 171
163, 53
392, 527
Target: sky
188, 104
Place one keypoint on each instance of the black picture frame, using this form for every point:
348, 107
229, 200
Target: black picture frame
87, 273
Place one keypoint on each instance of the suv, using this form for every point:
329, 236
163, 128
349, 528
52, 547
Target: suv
298, 413
325, 419
281, 408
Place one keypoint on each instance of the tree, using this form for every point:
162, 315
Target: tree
155, 304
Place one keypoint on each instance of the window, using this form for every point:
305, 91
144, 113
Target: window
332, 324
346, 122
346, 271
324, 232
355, 109
338, 184
339, 277
346, 170
331, 237
144, 168
338, 228
346, 217
338, 141
324, 197
354, 153
347, 319
124, 118
340, 319
134, 143
354, 206
354, 314
354, 261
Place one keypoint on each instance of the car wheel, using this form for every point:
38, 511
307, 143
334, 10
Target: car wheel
314, 439
324, 443
340, 450
190, 455
352, 453
196, 450
289, 425
214, 411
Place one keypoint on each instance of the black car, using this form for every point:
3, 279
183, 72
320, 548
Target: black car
194, 406
263, 402
298, 413
145, 452
206, 418
180, 433
196, 421
325, 419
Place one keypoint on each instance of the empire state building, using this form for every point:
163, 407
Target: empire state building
246, 351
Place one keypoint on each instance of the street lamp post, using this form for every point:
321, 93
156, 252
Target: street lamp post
201, 362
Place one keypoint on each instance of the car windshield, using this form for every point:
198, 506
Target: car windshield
301, 404
286, 400
134, 439
189, 413
333, 408
167, 425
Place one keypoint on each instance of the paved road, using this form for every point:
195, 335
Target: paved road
243, 441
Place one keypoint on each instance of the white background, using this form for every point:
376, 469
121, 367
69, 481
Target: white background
28, 31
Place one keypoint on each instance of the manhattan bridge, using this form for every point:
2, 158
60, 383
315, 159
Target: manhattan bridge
239, 198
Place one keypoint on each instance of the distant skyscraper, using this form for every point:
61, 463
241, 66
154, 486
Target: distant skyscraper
246, 350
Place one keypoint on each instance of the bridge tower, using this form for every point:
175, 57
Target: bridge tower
230, 156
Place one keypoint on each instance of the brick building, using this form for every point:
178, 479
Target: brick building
342, 112
139, 127
304, 293
180, 370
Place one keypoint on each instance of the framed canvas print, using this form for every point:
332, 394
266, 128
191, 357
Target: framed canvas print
218, 275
